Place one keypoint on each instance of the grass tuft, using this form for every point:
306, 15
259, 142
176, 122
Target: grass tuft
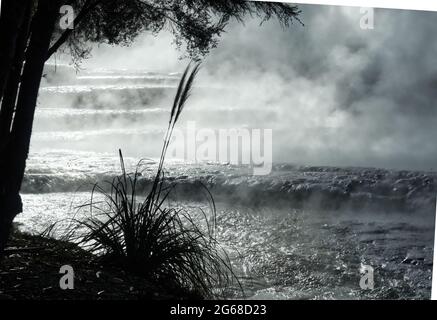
139, 233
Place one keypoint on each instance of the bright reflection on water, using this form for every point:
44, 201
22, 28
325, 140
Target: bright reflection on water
295, 254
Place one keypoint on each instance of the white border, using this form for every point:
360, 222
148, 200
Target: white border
427, 5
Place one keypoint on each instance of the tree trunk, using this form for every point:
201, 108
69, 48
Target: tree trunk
17, 148
9, 203
13, 82
11, 19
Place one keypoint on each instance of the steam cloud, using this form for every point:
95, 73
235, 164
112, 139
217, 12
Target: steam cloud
336, 94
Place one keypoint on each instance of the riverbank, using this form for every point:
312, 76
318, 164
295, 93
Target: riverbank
30, 270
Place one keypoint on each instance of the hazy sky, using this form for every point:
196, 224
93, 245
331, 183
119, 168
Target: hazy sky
344, 96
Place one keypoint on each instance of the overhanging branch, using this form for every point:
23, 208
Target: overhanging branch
87, 8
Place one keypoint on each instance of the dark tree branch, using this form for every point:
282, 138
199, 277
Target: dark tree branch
87, 8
